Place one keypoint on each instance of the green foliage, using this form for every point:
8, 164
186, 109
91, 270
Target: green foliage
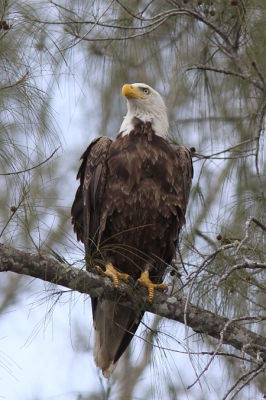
28, 132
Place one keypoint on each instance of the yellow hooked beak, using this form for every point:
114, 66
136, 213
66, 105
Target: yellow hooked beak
131, 91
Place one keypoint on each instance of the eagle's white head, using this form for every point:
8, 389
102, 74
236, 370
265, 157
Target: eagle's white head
146, 104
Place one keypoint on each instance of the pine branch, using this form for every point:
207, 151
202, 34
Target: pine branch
171, 307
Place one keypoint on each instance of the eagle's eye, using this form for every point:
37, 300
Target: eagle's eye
145, 91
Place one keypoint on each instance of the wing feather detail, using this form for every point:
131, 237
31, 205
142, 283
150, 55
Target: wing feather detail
86, 209
184, 175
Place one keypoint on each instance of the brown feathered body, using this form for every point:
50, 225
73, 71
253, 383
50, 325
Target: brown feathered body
128, 210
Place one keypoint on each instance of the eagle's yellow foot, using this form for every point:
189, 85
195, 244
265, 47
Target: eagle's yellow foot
144, 280
113, 273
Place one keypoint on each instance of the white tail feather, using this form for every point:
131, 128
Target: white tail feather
110, 322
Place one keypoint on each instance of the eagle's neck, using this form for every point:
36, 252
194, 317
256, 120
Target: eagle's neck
157, 118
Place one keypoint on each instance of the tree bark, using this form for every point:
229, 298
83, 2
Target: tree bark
173, 307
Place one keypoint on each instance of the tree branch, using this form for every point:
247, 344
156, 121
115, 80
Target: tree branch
30, 169
172, 307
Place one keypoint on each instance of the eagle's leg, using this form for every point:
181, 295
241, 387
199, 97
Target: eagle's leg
114, 274
145, 281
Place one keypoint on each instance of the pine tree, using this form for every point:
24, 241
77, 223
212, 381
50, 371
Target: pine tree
207, 60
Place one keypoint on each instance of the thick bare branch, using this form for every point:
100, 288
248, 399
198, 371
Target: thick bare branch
172, 307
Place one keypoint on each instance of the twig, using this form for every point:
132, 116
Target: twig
21, 80
12, 215
210, 258
228, 149
252, 374
248, 264
246, 237
219, 70
197, 353
263, 227
115, 39
201, 157
254, 65
30, 169
213, 356
93, 26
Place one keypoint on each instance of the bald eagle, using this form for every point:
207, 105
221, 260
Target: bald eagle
128, 211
